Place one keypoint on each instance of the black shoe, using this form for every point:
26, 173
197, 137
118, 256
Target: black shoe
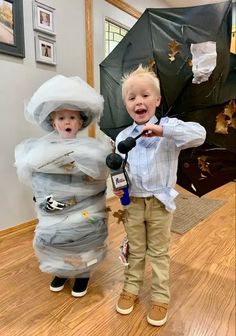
57, 284
80, 287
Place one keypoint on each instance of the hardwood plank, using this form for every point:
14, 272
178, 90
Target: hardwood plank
24, 227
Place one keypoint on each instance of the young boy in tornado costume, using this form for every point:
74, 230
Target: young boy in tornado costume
68, 178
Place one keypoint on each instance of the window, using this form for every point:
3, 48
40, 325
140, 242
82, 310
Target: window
114, 33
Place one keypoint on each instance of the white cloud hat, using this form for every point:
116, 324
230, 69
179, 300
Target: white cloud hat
62, 92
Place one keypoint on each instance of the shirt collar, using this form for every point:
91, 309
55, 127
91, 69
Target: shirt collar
135, 128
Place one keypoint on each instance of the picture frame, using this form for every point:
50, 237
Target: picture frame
43, 18
45, 49
12, 28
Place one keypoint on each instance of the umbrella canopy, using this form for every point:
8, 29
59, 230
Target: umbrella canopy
174, 42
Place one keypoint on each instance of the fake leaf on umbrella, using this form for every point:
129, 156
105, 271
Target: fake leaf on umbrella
226, 119
174, 49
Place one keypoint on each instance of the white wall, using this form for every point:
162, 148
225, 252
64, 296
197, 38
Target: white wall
21, 77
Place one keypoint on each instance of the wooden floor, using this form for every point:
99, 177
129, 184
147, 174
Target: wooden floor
202, 286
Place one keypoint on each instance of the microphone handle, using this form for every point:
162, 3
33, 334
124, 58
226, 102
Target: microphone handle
138, 136
125, 199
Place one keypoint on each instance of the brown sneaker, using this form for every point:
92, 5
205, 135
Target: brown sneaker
158, 314
125, 304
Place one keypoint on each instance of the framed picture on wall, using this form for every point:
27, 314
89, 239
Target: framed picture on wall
43, 18
12, 28
45, 49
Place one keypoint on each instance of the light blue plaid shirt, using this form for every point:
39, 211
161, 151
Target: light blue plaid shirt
152, 163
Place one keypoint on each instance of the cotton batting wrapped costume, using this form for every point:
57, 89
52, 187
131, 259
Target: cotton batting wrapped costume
68, 178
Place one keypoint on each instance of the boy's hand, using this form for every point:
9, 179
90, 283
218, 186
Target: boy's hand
154, 130
118, 193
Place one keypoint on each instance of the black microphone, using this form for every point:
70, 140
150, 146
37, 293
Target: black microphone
126, 145
118, 176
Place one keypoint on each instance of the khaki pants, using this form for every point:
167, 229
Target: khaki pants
147, 226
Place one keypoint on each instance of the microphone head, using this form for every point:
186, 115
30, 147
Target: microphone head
114, 161
125, 146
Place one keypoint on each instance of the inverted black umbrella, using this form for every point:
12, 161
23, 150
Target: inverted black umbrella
163, 38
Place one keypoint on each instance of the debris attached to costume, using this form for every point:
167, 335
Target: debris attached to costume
68, 179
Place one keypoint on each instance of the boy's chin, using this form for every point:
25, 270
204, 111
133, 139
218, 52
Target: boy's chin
67, 136
142, 122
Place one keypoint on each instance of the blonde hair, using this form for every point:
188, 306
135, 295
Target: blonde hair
140, 72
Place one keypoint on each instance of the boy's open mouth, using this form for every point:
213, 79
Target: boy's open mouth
141, 111
68, 129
